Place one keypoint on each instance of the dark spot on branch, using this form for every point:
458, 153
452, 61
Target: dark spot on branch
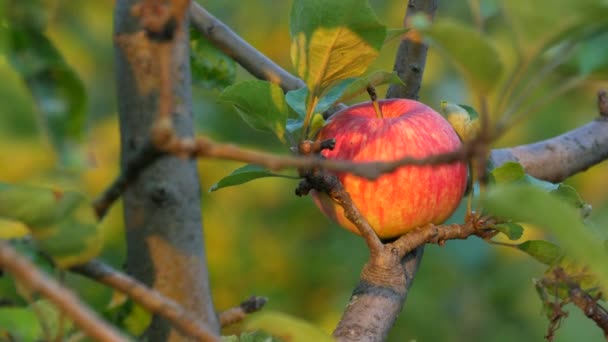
602, 103
165, 34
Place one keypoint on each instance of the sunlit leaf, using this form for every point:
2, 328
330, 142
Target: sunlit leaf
333, 40
280, 325
512, 230
59, 94
473, 52
63, 223
211, 68
244, 174
261, 104
541, 250
526, 203
137, 320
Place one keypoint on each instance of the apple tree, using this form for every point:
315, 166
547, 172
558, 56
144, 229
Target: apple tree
126, 258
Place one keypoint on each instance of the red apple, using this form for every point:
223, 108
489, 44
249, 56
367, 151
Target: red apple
411, 196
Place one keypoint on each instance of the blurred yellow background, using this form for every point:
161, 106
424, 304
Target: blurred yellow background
262, 239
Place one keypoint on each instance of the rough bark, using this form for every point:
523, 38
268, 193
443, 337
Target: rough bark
558, 158
162, 208
411, 55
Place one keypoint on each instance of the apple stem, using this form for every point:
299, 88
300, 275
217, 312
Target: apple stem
372, 95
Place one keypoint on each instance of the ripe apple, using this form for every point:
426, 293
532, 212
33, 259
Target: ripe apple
411, 196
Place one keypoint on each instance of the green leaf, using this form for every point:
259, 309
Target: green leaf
245, 174
341, 92
261, 104
59, 94
211, 68
541, 250
137, 320
374, 79
569, 195
333, 95
279, 324
296, 99
512, 230
62, 223
513, 172
333, 40
526, 203
53, 317
294, 125
474, 54
589, 57
20, 323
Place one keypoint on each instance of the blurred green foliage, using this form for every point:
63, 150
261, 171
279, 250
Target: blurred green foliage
263, 240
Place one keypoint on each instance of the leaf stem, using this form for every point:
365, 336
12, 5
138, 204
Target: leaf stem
311, 104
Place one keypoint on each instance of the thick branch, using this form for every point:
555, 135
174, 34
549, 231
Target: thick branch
560, 157
165, 245
148, 298
29, 276
246, 55
411, 56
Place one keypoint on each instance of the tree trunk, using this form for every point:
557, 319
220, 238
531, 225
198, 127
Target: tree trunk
162, 209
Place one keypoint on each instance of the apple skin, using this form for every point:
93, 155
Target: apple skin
411, 196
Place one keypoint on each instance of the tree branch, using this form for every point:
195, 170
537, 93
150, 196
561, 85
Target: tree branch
165, 245
237, 314
28, 275
560, 157
324, 182
246, 55
411, 55
585, 302
148, 298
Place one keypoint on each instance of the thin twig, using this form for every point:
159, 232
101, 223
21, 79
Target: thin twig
148, 298
584, 301
553, 159
439, 234
329, 184
237, 314
246, 55
29, 276
145, 157
206, 148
